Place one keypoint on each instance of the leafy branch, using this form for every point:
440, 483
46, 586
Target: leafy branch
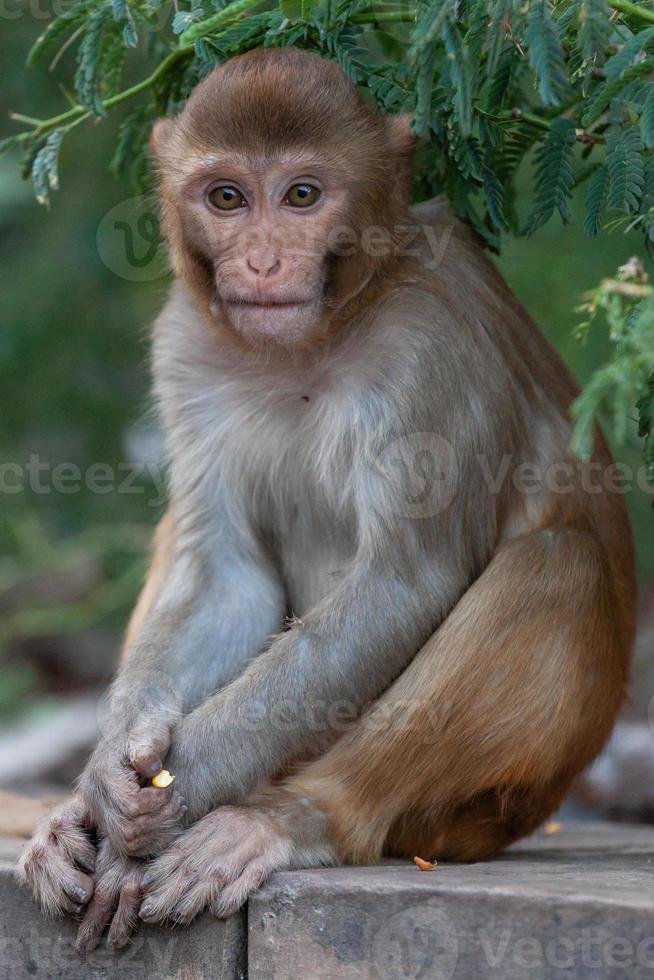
627, 305
559, 90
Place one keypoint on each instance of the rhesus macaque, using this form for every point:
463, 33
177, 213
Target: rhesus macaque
335, 665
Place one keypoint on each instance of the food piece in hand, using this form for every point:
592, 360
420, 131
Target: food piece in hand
162, 779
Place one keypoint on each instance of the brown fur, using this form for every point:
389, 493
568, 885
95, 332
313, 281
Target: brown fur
513, 696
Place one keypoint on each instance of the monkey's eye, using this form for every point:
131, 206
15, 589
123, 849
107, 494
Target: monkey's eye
302, 195
226, 198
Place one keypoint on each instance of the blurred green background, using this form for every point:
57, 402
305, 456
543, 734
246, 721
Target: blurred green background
73, 353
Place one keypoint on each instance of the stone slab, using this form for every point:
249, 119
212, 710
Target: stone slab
575, 904
33, 948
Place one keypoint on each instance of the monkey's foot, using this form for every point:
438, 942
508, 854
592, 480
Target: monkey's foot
227, 855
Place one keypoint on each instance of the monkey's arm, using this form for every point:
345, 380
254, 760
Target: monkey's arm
313, 679
208, 607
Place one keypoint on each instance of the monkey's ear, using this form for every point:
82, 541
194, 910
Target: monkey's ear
160, 135
402, 136
403, 141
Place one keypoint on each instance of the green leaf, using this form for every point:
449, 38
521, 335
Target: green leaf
344, 46
497, 31
596, 201
8, 144
647, 199
494, 190
183, 20
499, 83
554, 175
430, 23
546, 54
594, 31
475, 35
460, 75
624, 163
132, 139
113, 61
609, 90
298, 10
465, 153
426, 66
89, 60
519, 141
242, 34
57, 30
621, 61
122, 13
44, 169
31, 150
206, 57
390, 95
647, 118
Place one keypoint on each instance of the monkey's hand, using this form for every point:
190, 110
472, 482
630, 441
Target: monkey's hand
215, 865
140, 820
59, 860
116, 899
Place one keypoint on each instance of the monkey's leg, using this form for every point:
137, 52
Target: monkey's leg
472, 747
478, 740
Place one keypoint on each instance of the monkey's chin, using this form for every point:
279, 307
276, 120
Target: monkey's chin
279, 324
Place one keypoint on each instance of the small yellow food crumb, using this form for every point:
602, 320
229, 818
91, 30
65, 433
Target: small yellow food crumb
162, 779
424, 865
553, 827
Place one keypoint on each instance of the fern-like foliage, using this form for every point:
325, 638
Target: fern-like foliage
624, 165
598, 189
558, 91
627, 304
594, 32
554, 175
546, 54
497, 72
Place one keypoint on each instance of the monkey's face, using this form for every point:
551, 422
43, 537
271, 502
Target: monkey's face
264, 230
271, 179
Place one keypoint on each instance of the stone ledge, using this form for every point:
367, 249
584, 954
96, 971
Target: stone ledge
34, 948
576, 904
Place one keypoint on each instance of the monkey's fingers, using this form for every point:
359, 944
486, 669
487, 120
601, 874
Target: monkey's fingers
65, 830
150, 834
164, 882
148, 744
179, 899
153, 800
237, 892
146, 762
168, 864
96, 920
125, 919
56, 884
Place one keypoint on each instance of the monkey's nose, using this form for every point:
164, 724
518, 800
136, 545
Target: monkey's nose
263, 262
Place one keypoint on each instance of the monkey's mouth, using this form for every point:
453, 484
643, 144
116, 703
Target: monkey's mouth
279, 320
269, 304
